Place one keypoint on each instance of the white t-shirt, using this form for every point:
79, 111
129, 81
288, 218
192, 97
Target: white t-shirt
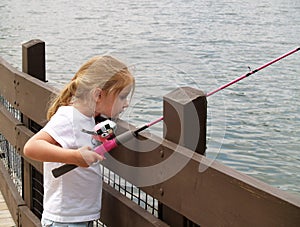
76, 195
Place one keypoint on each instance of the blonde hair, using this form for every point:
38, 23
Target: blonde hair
104, 72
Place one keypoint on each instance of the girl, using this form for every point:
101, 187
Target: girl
100, 87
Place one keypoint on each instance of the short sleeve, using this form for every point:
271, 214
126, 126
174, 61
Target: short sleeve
60, 128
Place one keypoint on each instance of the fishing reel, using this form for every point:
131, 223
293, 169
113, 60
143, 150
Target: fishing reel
103, 131
104, 134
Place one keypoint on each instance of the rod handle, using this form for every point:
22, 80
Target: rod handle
101, 150
57, 172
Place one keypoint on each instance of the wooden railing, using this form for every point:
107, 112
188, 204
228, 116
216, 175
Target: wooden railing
187, 188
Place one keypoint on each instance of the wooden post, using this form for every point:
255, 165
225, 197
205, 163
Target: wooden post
185, 114
33, 59
33, 63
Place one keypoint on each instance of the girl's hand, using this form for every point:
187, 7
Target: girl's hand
88, 156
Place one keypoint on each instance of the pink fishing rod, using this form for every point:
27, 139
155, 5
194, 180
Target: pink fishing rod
228, 84
247, 74
136, 132
126, 136
252, 72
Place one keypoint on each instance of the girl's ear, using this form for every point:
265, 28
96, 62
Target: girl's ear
97, 94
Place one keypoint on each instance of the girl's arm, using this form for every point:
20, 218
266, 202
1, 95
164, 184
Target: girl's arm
42, 147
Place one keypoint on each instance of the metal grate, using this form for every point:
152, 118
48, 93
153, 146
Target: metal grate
130, 191
16, 113
12, 161
135, 194
37, 192
37, 180
8, 154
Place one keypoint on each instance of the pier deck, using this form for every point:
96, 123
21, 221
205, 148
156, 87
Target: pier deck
5, 216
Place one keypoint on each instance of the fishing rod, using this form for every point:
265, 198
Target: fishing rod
252, 72
110, 144
136, 132
106, 146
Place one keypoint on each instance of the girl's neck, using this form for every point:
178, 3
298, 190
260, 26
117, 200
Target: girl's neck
85, 109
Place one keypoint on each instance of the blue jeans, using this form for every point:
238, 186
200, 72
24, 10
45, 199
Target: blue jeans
48, 223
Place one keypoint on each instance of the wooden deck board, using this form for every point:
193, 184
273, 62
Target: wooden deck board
5, 216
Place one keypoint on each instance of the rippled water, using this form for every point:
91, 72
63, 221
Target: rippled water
253, 126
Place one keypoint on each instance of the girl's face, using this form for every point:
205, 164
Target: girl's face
111, 105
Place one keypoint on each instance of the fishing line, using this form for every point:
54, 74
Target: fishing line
238, 79
252, 72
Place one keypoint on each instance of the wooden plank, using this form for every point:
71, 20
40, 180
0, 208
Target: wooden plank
220, 196
21, 90
118, 210
8, 83
27, 184
8, 125
27, 218
16, 134
22, 135
28, 102
10, 193
216, 196
5, 216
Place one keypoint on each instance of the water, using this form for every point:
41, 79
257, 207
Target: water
253, 126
